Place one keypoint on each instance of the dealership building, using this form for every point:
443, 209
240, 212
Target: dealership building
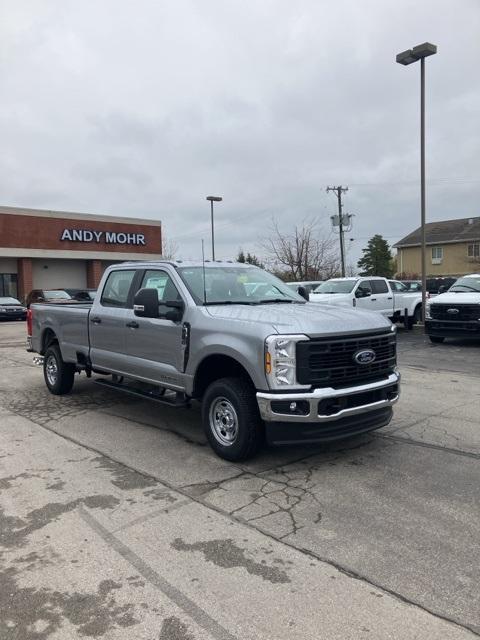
54, 249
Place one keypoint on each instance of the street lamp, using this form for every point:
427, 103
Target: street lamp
421, 52
212, 200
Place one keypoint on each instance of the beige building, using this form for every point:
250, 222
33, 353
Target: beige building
453, 249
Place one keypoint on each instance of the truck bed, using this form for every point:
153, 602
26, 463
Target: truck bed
69, 322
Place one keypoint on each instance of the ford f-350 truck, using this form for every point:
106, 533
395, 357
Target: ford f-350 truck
263, 362
391, 298
455, 313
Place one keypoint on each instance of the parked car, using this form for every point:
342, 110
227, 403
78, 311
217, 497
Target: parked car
263, 366
12, 309
456, 313
82, 295
439, 285
373, 293
47, 295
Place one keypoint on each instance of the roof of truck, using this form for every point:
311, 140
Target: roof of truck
186, 263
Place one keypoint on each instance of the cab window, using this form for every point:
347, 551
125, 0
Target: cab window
116, 289
167, 291
379, 286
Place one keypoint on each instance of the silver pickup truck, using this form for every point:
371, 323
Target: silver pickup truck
264, 363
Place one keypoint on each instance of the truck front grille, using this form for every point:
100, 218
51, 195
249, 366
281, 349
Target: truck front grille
456, 312
323, 362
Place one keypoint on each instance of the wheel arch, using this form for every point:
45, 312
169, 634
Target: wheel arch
214, 367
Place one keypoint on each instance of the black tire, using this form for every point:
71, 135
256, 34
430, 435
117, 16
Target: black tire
244, 431
436, 339
416, 318
59, 375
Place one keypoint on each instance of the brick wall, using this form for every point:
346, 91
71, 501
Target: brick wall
94, 273
24, 277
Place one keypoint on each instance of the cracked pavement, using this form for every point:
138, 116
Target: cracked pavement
117, 521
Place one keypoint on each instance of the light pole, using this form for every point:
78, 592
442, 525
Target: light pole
212, 200
420, 52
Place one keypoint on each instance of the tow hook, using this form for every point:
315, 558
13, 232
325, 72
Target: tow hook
38, 360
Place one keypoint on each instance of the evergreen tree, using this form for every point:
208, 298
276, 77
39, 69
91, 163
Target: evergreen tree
377, 259
250, 258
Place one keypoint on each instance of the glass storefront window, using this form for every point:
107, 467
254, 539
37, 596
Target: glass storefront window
8, 285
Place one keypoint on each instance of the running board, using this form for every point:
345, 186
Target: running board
179, 400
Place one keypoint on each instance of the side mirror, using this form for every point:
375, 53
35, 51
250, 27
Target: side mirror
442, 288
303, 292
145, 303
177, 308
362, 293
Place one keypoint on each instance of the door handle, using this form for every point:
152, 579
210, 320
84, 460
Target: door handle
95, 320
132, 324
373, 299
390, 298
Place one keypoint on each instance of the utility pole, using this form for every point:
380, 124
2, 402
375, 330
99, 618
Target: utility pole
338, 192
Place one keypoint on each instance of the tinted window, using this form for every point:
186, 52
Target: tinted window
116, 289
379, 286
397, 286
162, 282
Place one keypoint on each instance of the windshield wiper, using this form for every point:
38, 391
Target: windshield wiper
220, 302
274, 300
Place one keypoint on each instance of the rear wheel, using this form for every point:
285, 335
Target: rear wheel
416, 318
436, 339
231, 419
59, 375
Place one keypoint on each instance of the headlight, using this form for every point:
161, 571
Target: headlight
281, 361
2, 309
427, 311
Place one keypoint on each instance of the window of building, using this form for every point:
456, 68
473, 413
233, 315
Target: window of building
116, 289
437, 255
474, 250
8, 285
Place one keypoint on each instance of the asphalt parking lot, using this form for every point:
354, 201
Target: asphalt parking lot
117, 520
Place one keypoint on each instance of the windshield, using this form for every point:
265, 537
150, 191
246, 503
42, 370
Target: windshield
466, 284
336, 286
57, 295
9, 301
236, 285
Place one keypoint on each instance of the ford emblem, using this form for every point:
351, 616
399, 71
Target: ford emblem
452, 311
366, 356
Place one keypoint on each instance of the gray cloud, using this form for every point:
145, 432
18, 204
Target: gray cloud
111, 109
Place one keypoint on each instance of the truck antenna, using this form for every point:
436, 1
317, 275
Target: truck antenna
203, 268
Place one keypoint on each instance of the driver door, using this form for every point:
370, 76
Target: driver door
154, 345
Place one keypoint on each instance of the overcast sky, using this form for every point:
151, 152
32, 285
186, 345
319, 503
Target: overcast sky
144, 107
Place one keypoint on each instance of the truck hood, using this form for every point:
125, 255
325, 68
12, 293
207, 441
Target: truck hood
460, 297
310, 319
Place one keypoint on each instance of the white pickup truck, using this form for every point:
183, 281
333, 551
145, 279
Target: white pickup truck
389, 297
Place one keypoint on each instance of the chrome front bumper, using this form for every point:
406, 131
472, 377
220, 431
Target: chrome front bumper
313, 398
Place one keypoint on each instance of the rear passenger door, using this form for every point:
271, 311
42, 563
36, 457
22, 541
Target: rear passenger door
108, 318
382, 297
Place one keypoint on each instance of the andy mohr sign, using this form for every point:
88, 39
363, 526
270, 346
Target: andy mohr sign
107, 237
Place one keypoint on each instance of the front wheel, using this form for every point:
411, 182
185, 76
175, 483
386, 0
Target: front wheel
231, 419
436, 339
59, 375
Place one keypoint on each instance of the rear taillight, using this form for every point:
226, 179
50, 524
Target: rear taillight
29, 322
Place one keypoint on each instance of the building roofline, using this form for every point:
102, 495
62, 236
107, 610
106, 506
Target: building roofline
429, 244
71, 215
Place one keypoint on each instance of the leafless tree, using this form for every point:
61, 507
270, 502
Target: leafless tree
302, 254
169, 248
